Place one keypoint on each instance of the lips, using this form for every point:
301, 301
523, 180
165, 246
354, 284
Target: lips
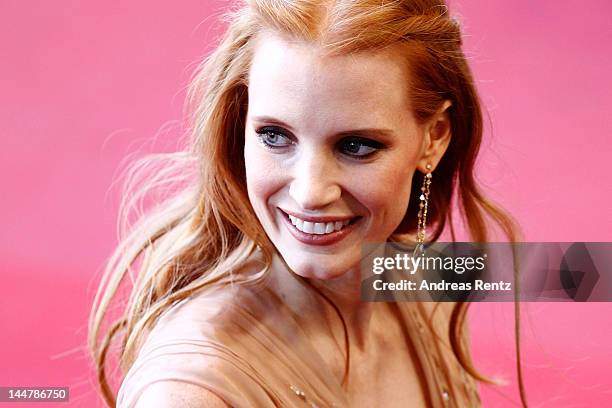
318, 230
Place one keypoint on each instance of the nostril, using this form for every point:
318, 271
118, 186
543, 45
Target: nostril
312, 195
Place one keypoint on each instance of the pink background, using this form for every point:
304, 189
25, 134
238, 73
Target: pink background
84, 84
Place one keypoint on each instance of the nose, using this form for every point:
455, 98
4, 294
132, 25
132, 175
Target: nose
314, 182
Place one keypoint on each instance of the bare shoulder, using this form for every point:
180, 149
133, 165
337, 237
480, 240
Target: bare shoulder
178, 394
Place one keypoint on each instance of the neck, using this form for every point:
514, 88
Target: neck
316, 315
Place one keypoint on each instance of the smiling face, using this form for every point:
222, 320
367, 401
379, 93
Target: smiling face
331, 146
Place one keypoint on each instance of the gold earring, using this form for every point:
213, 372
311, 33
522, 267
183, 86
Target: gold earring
424, 198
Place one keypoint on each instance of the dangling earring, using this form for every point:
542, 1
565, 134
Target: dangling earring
424, 198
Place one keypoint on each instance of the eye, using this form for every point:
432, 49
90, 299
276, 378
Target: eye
359, 148
273, 137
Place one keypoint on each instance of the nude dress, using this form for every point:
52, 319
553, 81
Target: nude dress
244, 344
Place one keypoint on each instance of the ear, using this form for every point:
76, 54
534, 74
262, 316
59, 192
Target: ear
437, 135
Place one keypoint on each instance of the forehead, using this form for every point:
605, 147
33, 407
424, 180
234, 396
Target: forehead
294, 78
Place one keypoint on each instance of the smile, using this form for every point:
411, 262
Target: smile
319, 230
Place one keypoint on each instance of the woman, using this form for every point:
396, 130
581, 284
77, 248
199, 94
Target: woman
317, 127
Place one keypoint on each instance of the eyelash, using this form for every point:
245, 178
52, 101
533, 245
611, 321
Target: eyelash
263, 133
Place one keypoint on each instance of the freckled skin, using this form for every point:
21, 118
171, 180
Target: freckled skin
318, 97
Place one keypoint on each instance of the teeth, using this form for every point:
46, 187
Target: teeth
318, 228
308, 227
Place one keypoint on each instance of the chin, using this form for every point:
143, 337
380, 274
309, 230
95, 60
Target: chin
316, 267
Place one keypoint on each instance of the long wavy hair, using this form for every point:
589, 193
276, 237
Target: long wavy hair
205, 228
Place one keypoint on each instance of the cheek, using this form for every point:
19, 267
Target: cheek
392, 203
262, 174
386, 195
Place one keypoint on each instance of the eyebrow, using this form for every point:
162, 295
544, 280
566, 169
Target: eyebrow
352, 132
